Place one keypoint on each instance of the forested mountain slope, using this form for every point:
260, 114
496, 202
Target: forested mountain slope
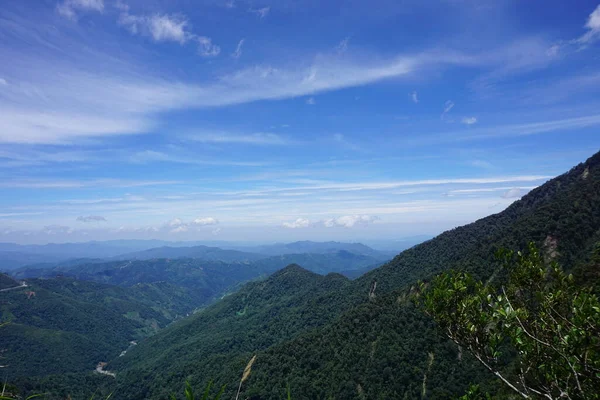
7, 282
377, 343
63, 325
562, 217
260, 315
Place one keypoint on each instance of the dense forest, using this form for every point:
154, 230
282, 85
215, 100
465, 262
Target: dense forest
330, 337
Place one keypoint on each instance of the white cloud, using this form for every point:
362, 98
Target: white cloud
205, 221
593, 27
414, 97
503, 189
341, 139
311, 101
342, 47
261, 12
162, 28
206, 48
117, 98
349, 221
448, 105
298, 223
57, 230
175, 222
70, 184
167, 28
179, 229
69, 8
482, 164
553, 50
254, 138
3, 82
238, 50
91, 218
127, 103
469, 120
512, 193
543, 127
177, 225
150, 156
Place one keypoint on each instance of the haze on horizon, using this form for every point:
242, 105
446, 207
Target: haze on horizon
258, 120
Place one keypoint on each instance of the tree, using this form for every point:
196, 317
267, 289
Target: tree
539, 332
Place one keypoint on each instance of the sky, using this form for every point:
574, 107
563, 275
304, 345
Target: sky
264, 120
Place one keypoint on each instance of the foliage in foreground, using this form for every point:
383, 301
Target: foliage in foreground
540, 315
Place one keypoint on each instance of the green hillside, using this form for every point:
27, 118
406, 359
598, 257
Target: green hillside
63, 325
7, 282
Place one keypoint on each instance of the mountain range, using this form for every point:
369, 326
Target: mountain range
330, 337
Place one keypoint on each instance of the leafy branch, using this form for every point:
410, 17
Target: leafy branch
540, 314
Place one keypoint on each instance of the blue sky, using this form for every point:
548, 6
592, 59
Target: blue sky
289, 119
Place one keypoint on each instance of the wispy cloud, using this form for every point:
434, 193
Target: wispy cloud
152, 156
261, 12
68, 184
503, 189
593, 28
414, 97
390, 185
167, 28
448, 105
482, 164
513, 130
160, 27
512, 193
311, 101
206, 48
238, 50
469, 120
91, 218
342, 46
57, 230
262, 139
344, 142
126, 103
69, 8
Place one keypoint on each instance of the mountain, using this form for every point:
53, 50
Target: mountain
319, 248
367, 339
10, 260
62, 325
13, 256
201, 252
397, 245
7, 282
259, 315
340, 261
209, 279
